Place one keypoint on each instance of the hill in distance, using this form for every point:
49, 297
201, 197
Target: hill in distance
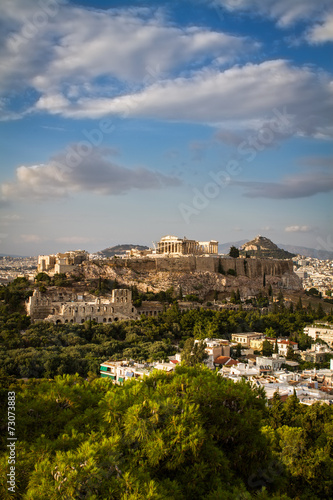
120, 250
259, 247
264, 247
294, 249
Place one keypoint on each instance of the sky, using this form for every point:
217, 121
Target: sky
124, 121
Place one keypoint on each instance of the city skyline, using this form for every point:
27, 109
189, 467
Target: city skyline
125, 121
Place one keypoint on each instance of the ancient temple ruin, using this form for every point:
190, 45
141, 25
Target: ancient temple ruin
173, 245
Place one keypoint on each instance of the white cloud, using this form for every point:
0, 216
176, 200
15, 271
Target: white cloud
321, 33
297, 186
79, 170
297, 229
31, 238
242, 96
284, 12
71, 49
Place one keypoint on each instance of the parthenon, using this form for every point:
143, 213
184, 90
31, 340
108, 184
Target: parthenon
182, 246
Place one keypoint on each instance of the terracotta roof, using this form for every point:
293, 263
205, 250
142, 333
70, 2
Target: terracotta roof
225, 360
174, 361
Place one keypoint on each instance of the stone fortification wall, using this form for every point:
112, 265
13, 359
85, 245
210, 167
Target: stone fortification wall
252, 268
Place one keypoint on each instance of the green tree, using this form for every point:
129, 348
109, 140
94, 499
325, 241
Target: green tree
267, 348
270, 332
233, 252
299, 305
43, 277
290, 354
193, 353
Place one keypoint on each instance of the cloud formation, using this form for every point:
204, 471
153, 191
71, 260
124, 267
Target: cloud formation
297, 229
317, 161
87, 63
321, 32
126, 47
242, 96
69, 173
284, 12
298, 186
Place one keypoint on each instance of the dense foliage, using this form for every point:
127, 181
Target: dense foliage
191, 434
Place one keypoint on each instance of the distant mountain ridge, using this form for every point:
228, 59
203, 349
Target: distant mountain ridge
120, 249
309, 252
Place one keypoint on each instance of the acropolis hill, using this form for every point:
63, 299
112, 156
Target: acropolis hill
194, 274
189, 265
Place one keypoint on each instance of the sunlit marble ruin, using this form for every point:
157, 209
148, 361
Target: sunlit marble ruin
173, 245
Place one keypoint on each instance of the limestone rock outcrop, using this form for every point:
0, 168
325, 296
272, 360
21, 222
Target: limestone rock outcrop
194, 274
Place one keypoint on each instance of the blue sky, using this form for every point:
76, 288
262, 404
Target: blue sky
123, 121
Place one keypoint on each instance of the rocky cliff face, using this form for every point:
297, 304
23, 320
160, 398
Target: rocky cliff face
199, 275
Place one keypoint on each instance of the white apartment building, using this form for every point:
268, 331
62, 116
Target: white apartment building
323, 331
